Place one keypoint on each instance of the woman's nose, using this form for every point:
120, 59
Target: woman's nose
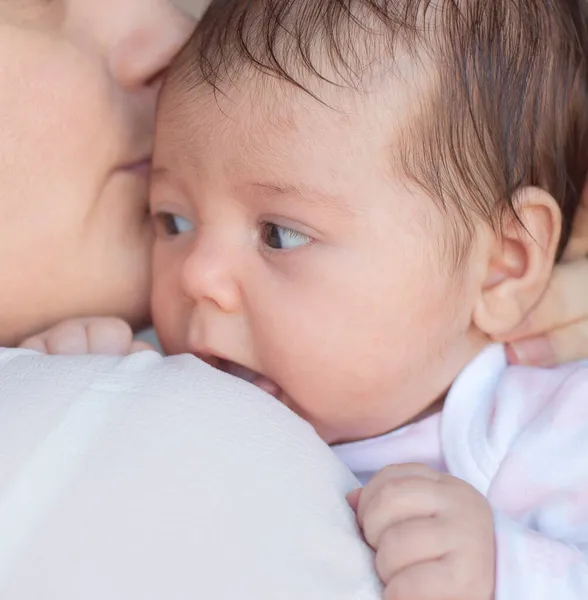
154, 34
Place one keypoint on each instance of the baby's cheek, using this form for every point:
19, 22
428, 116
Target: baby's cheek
169, 317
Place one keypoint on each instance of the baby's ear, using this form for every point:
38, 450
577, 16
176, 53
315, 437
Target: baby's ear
519, 263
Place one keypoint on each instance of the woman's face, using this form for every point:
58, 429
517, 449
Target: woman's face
78, 87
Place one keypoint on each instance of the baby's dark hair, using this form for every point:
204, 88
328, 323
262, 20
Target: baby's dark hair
508, 107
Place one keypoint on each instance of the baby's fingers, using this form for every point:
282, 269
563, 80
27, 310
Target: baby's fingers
109, 336
141, 346
99, 335
67, 338
396, 494
410, 543
36, 343
431, 580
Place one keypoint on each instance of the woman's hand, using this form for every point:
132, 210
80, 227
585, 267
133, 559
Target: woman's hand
557, 331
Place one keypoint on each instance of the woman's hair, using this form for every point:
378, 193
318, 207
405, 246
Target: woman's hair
506, 98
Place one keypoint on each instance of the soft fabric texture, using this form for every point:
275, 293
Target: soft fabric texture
161, 478
519, 435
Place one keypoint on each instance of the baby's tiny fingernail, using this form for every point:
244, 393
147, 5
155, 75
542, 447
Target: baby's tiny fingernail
535, 351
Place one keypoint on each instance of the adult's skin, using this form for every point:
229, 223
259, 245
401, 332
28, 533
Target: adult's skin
79, 81
557, 331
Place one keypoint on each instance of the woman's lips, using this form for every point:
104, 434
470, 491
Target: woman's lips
141, 167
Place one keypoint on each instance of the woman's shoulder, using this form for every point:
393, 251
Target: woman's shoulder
130, 474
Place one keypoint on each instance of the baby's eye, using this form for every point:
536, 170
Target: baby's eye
283, 238
173, 225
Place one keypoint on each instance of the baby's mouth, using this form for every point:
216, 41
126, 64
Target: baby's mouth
261, 381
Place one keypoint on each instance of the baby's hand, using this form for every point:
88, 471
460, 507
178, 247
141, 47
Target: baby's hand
93, 335
433, 534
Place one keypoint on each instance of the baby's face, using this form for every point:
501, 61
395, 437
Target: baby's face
289, 253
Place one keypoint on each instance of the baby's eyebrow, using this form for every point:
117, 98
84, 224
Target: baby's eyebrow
305, 193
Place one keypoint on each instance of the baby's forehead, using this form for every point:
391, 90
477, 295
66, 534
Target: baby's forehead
272, 116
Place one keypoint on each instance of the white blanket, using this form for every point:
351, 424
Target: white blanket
160, 478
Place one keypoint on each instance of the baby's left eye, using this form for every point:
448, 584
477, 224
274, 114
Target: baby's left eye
278, 237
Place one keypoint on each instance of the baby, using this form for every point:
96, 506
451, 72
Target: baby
352, 198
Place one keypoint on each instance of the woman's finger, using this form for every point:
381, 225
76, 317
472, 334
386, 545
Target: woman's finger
561, 345
578, 245
565, 302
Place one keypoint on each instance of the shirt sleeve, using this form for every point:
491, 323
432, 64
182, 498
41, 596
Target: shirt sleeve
540, 491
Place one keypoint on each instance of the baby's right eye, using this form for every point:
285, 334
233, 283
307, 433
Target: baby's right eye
172, 225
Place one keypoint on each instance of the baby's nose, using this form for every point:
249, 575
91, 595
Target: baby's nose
210, 275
